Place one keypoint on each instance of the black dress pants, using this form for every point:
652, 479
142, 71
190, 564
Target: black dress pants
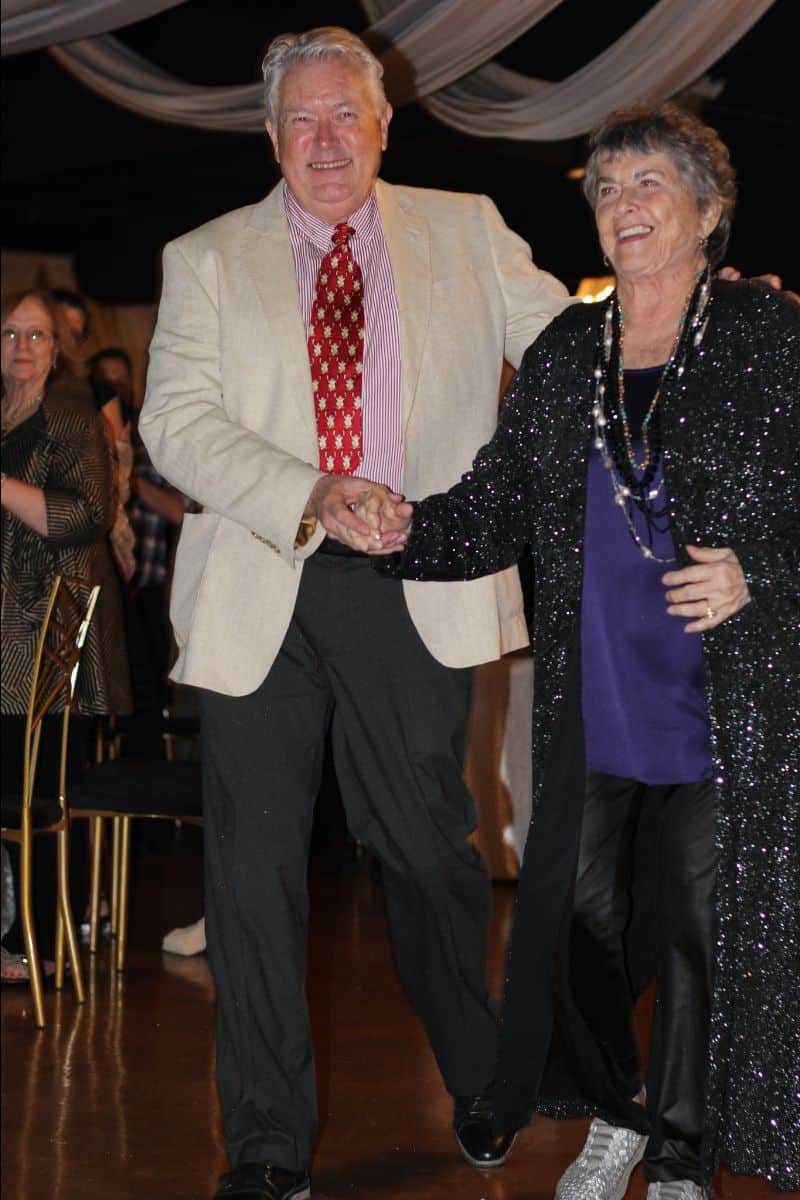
684, 874
351, 656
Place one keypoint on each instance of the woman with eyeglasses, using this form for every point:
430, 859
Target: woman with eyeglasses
57, 507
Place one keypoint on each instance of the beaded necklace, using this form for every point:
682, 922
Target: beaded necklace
648, 416
617, 454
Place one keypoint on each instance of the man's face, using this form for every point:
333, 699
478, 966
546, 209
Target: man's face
329, 137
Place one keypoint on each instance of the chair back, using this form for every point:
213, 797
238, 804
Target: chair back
55, 674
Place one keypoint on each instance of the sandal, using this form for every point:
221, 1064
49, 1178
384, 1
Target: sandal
14, 967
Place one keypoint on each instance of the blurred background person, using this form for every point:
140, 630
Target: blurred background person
114, 406
57, 507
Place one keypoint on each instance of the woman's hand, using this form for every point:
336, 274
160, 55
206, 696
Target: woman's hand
26, 502
388, 516
710, 591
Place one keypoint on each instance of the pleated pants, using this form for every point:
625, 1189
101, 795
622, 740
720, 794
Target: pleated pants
352, 658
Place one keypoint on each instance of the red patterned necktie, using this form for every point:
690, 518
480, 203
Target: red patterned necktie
336, 354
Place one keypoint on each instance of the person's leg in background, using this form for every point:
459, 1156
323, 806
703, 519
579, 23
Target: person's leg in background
45, 847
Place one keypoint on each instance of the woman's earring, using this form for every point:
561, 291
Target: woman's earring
606, 263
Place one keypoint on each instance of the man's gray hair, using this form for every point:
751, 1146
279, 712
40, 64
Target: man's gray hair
317, 45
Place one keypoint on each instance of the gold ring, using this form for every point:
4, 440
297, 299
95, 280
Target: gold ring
710, 613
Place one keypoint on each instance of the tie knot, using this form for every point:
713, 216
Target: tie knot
341, 234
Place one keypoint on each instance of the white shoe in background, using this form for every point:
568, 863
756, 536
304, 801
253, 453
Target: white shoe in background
188, 940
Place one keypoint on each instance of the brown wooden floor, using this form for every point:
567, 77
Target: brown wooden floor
116, 1099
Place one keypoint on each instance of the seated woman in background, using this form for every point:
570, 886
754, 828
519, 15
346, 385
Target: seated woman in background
57, 507
649, 452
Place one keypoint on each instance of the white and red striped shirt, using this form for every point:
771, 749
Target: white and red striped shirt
381, 396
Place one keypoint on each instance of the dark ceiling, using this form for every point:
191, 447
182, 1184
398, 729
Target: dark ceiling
85, 177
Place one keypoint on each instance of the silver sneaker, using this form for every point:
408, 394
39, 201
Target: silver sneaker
677, 1189
602, 1169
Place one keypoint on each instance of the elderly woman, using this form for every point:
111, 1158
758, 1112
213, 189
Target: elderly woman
648, 452
57, 505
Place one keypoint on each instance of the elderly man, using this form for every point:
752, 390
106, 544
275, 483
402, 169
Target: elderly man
339, 328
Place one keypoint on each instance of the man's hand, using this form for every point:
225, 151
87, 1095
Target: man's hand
774, 281
710, 591
333, 501
732, 275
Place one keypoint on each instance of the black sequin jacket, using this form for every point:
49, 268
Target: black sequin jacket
731, 434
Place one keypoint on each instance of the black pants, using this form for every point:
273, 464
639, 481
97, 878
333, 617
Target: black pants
351, 655
684, 882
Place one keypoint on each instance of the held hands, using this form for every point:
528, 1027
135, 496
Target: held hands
388, 516
352, 511
710, 591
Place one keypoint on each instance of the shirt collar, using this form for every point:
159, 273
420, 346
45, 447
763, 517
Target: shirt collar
365, 220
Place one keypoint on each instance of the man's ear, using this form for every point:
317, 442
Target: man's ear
385, 119
272, 134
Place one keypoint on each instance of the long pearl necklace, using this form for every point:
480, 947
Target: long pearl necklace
626, 489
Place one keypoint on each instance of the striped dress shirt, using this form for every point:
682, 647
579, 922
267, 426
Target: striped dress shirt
381, 397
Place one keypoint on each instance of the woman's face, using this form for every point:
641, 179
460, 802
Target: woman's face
647, 218
29, 345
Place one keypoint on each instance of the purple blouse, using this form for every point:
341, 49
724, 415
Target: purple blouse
644, 703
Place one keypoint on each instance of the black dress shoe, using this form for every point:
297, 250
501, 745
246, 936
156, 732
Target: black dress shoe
263, 1181
479, 1143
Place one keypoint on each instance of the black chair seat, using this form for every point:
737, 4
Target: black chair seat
182, 727
46, 811
140, 786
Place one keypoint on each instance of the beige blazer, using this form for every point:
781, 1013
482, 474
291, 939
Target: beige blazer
229, 418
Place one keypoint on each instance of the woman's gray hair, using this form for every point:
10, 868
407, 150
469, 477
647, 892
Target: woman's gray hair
318, 45
701, 158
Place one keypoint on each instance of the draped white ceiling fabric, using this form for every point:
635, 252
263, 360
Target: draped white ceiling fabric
424, 46
32, 24
663, 53
437, 52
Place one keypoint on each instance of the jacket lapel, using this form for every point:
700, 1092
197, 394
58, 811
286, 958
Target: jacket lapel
268, 263
408, 241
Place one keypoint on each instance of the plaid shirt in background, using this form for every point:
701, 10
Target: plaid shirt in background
154, 533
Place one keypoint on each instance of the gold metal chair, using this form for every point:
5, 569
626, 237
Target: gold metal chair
26, 816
